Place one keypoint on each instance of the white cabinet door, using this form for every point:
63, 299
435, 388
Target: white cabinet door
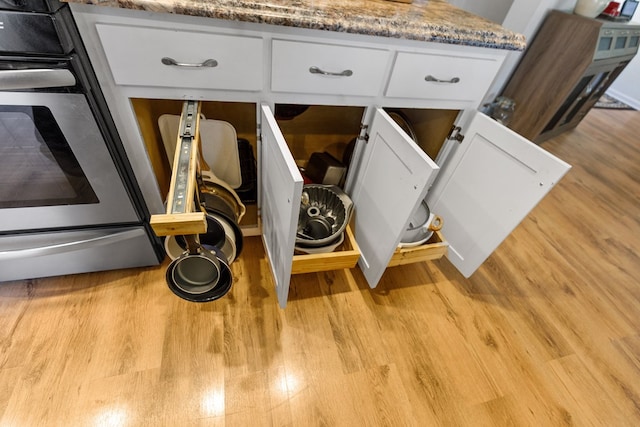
493, 180
393, 177
280, 201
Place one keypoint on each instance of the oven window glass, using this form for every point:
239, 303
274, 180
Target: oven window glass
37, 166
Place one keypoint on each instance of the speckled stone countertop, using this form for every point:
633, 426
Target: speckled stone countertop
425, 20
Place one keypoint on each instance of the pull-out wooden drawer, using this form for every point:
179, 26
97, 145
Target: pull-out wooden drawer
158, 57
443, 77
436, 247
345, 256
327, 69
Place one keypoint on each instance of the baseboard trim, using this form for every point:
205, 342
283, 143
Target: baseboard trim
632, 102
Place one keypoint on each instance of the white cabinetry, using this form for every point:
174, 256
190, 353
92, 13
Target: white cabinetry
441, 77
304, 67
482, 186
393, 177
170, 58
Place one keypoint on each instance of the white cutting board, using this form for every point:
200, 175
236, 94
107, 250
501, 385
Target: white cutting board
219, 146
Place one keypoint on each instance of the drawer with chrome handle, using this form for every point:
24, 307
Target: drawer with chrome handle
434, 76
327, 69
166, 58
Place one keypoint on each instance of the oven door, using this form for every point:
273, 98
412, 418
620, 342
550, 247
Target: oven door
55, 168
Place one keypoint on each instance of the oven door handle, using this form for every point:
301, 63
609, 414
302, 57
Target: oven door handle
72, 246
36, 79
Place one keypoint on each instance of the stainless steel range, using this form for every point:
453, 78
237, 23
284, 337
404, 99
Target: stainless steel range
68, 202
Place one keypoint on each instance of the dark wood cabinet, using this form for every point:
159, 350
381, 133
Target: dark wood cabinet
569, 64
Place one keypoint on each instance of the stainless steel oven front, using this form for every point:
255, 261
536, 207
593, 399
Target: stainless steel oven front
68, 199
55, 168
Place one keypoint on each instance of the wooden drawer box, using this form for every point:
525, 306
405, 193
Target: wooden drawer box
441, 77
435, 248
299, 67
135, 56
345, 256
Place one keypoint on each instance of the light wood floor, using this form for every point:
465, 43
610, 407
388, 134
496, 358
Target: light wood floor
546, 333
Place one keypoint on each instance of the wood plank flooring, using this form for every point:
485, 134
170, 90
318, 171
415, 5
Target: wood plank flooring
546, 333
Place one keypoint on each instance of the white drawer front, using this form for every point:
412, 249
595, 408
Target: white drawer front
451, 77
299, 67
136, 55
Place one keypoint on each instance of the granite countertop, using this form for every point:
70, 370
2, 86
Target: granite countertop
425, 20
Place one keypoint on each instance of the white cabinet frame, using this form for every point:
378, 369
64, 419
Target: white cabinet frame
490, 158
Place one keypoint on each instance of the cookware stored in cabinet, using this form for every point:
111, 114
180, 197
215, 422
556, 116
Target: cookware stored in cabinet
289, 111
323, 168
404, 123
329, 247
325, 211
421, 227
218, 195
219, 143
198, 274
214, 237
225, 237
232, 244
189, 292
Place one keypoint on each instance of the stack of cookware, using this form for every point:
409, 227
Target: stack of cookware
421, 226
199, 270
325, 211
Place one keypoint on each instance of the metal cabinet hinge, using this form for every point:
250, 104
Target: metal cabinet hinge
363, 135
454, 133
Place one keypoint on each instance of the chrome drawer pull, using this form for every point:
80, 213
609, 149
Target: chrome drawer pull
207, 63
430, 78
316, 70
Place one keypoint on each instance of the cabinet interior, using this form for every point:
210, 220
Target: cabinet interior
319, 128
431, 127
242, 116
306, 128
312, 129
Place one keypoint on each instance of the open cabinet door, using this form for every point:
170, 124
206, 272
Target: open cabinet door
280, 202
393, 177
493, 180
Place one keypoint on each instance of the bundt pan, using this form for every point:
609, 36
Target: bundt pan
325, 211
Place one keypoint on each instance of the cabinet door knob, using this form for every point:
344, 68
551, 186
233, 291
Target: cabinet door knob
430, 78
206, 63
344, 73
